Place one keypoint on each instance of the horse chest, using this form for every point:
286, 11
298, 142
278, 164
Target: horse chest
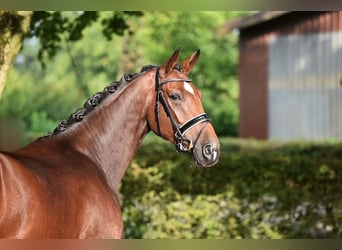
89, 211
59, 207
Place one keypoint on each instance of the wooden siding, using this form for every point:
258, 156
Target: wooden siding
305, 92
253, 77
290, 77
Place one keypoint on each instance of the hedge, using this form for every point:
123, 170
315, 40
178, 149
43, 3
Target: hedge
257, 190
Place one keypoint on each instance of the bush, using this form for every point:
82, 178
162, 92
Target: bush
257, 190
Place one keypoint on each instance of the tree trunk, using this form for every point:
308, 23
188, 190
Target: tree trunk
13, 27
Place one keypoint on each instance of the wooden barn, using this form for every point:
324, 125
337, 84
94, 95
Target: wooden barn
290, 74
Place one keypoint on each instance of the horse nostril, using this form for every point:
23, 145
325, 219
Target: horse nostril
210, 152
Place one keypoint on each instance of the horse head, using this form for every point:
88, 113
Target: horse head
177, 114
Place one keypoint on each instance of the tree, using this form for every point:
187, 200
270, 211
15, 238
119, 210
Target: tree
41, 98
51, 28
13, 27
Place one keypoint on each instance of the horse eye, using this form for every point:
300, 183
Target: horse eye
175, 97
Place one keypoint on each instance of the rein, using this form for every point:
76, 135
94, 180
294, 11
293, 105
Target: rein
182, 143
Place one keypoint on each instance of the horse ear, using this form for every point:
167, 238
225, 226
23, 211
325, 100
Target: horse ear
169, 65
189, 63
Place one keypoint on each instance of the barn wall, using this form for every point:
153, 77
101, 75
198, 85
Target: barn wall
304, 93
253, 77
271, 54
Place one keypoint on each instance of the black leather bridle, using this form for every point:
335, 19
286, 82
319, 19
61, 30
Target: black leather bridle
182, 143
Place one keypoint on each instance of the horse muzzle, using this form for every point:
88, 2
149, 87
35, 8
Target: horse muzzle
206, 155
205, 147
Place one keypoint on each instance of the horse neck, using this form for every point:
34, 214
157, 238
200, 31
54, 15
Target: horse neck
111, 133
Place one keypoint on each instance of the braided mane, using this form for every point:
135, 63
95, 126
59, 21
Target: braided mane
95, 100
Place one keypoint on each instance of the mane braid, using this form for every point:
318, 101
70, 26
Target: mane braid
95, 100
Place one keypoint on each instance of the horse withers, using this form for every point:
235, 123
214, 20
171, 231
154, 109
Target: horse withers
65, 184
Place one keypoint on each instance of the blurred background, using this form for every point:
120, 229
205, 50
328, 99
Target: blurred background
103, 47
271, 82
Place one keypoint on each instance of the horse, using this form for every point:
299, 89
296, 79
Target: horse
65, 184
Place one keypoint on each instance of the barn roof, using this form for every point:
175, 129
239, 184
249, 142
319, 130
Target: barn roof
257, 18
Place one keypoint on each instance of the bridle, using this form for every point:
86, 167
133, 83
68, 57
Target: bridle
182, 143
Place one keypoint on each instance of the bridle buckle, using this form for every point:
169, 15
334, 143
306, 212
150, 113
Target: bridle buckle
184, 145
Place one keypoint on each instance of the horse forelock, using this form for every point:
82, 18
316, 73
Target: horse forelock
96, 100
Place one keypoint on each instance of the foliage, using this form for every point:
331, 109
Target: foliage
62, 87
86, 62
51, 28
258, 190
10, 20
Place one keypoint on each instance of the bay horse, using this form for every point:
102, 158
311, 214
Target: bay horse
65, 184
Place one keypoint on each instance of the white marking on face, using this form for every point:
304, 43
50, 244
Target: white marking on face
188, 88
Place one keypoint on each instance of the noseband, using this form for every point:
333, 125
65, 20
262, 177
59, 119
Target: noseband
182, 143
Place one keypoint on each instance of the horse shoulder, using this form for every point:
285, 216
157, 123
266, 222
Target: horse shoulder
14, 196
65, 200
